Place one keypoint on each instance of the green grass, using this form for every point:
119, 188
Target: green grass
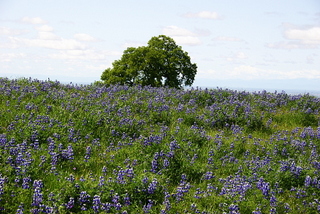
207, 151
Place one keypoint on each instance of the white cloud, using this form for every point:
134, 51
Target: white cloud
132, 44
187, 40
83, 55
47, 36
234, 56
34, 20
240, 55
177, 31
202, 32
50, 41
47, 39
181, 36
84, 37
204, 15
306, 36
44, 28
8, 57
45, 32
291, 45
299, 38
98, 68
311, 58
78, 54
246, 72
10, 32
225, 38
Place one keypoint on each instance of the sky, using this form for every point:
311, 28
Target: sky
261, 44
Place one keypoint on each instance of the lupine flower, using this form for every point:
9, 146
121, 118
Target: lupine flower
198, 193
70, 203
118, 206
19, 211
152, 186
145, 180
25, 183
37, 183
166, 203
96, 203
154, 163
166, 163
60, 147
19, 159
264, 187
37, 197
287, 207
257, 211
71, 178
68, 153
269, 122
84, 197
2, 181
104, 170
234, 209
54, 158
147, 207
307, 181
210, 160
300, 193
174, 145
101, 181
273, 200
211, 188
273, 210
51, 146
195, 156
88, 154
126, 199
295, 170
120, 177
115, 198
209, 175
183, 188
43, 160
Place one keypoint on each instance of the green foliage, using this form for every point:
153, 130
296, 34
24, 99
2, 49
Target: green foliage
161, 63
166, 150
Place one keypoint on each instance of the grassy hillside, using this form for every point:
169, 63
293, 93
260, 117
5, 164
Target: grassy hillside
119, 149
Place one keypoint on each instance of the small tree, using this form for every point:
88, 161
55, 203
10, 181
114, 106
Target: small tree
161, 63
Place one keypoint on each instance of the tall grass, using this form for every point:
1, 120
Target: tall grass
69, 148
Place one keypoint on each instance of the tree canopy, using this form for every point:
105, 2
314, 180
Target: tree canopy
161, 63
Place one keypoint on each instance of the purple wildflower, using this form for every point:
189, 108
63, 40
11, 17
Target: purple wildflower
70, 203
152, 186
37, 197
147, 207
115, 198
126, 199
20, 209
264, 187
96, 203
234, 209
68, 153
88, 154
308, 181
25, 182
101, 181
209, 175
84, 197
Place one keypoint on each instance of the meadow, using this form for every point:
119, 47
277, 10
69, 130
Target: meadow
67, 148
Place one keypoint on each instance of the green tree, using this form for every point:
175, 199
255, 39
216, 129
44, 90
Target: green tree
161, 63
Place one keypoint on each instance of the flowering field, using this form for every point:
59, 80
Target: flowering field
92, 149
